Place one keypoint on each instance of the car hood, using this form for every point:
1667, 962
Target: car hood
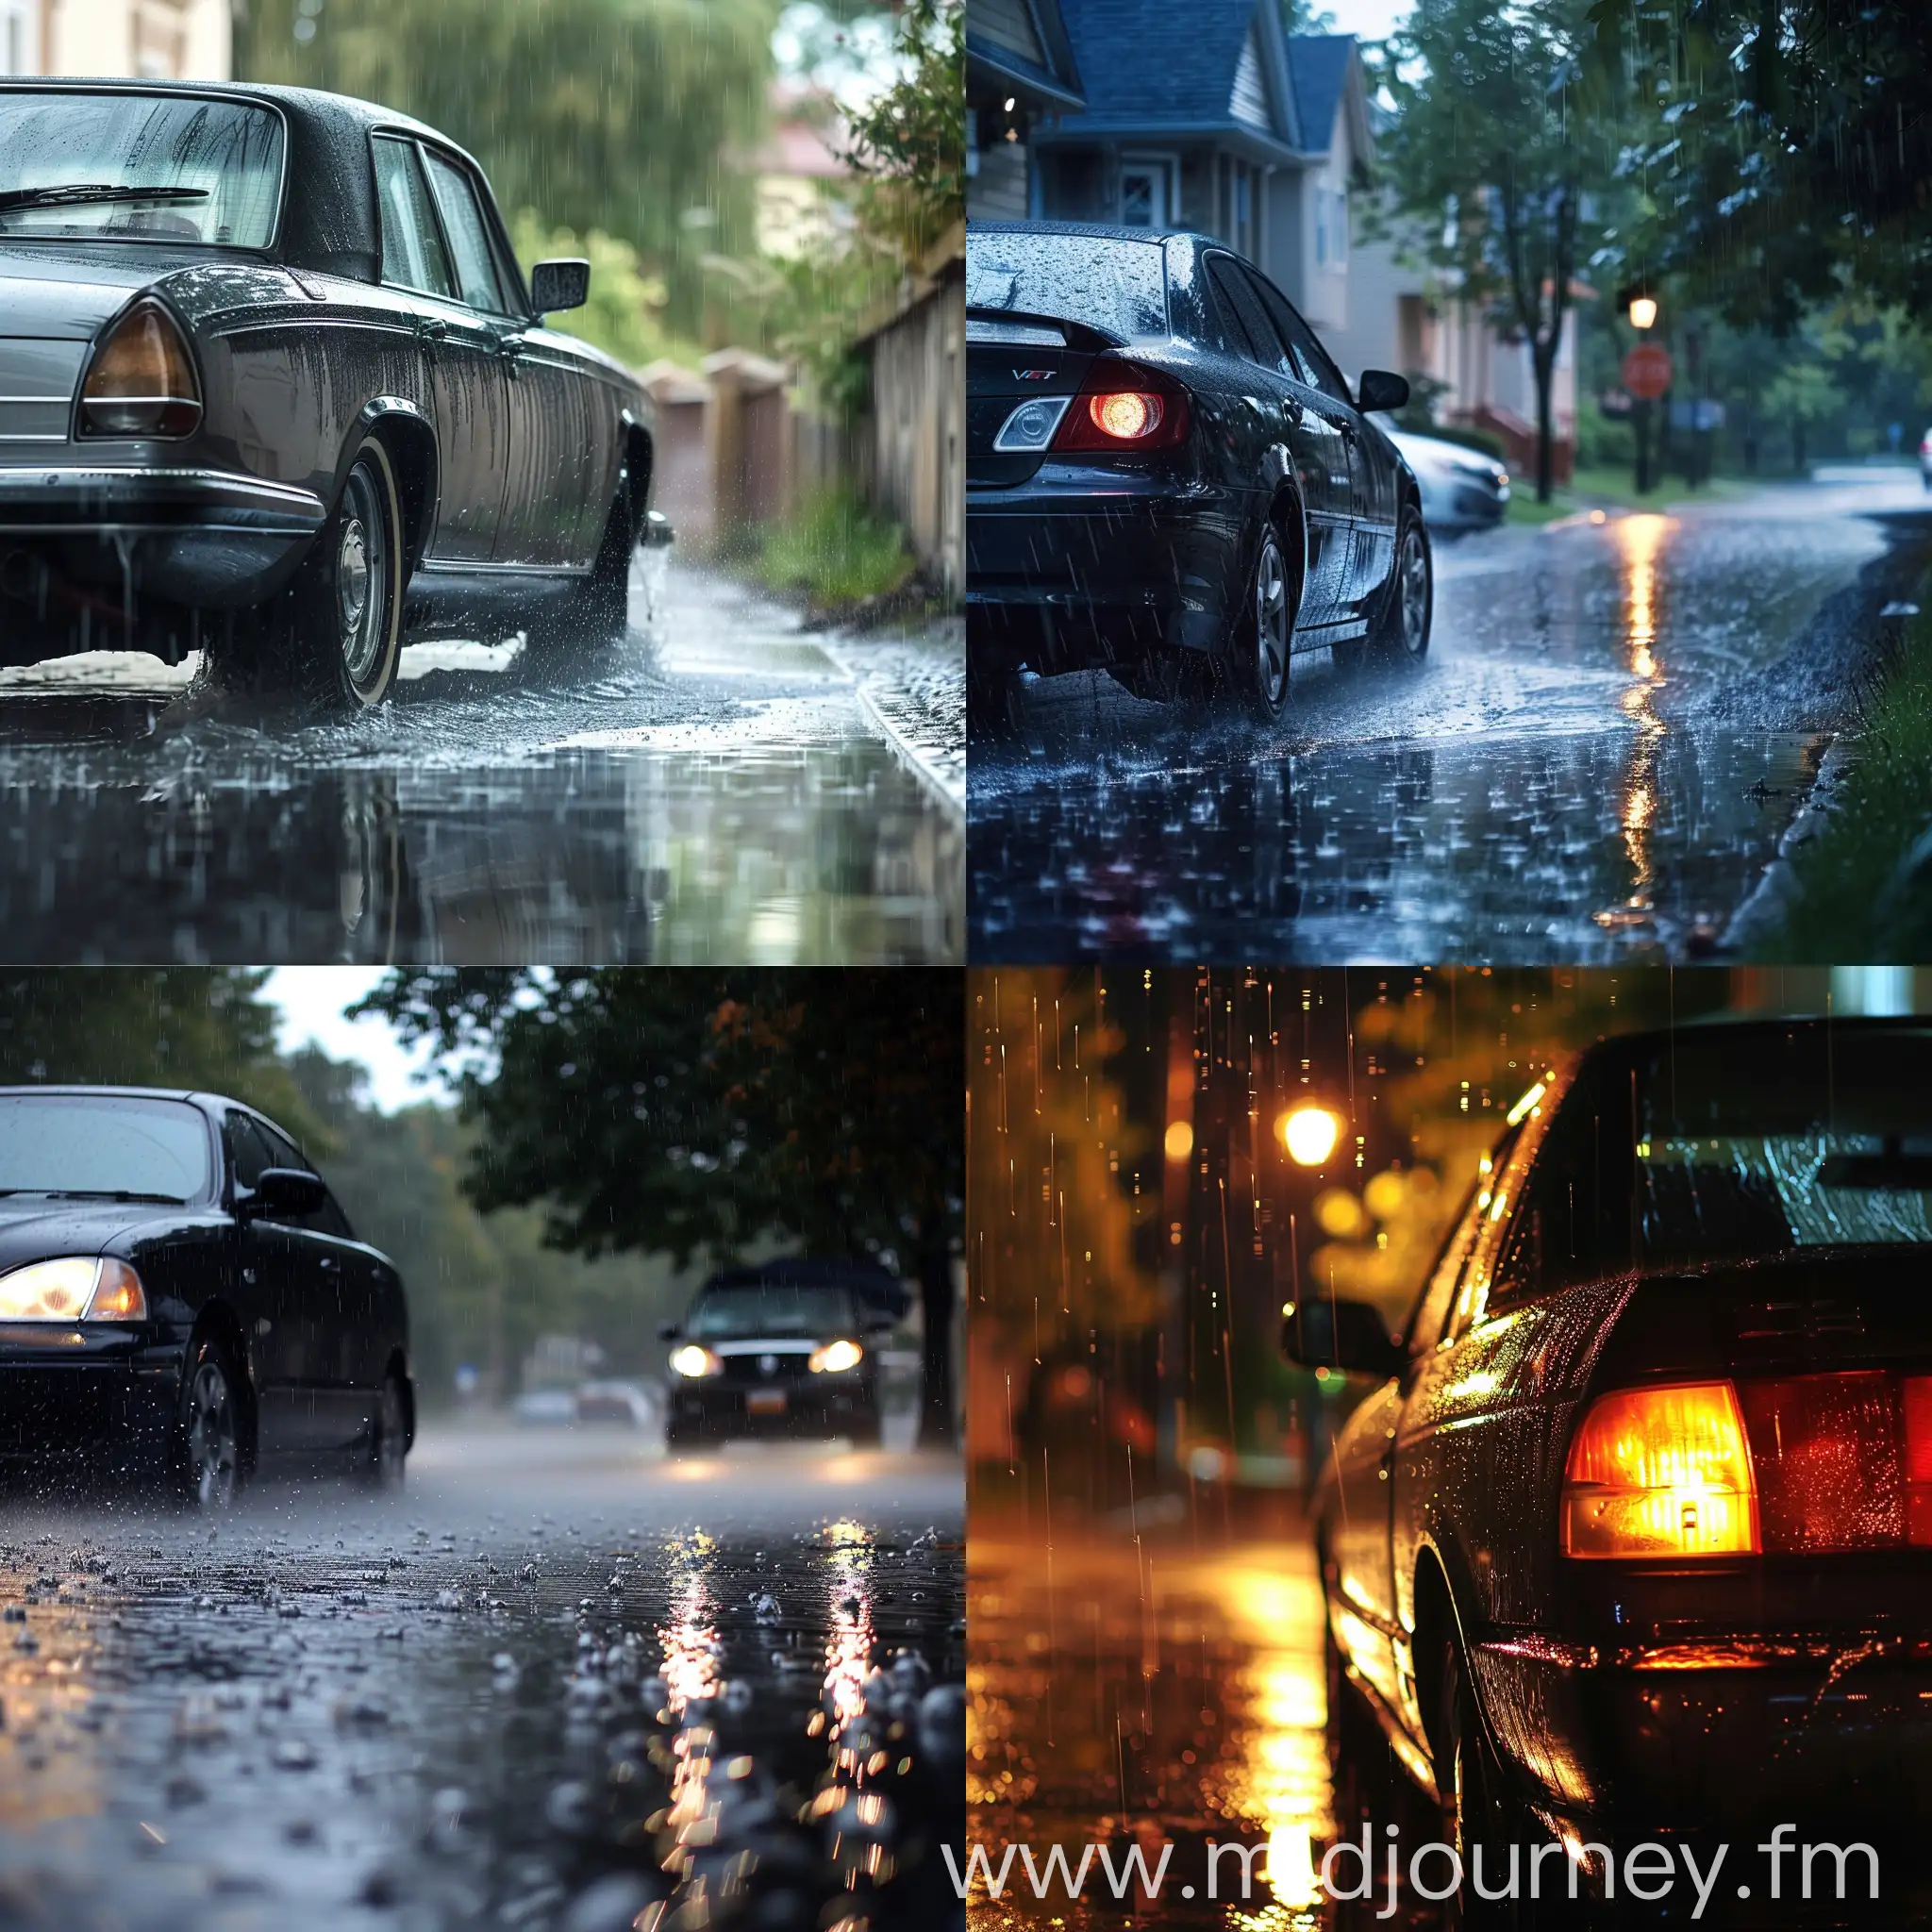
1435, 454
32, 1228
66, 292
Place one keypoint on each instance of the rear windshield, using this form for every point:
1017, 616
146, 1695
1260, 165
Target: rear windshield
80, 1145
130, 167
1115, 285
753, 1313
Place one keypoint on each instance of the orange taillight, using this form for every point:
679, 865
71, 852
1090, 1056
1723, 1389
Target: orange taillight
1660, 1472
1127, 415
141, 381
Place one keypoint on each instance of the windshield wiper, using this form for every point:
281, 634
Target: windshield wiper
82, 192
98, 1194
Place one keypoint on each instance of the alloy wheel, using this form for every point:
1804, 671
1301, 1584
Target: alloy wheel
1270, 627
1414, 585
213, 1448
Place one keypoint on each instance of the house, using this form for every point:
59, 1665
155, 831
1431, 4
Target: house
1019, 64
1209, 117
142, 40
804, 179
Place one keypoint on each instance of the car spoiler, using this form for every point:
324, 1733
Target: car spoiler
1079, 335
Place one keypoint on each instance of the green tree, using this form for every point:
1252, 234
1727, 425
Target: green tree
1496, 150
909, 141
701, 1114
184, 1027
622, 116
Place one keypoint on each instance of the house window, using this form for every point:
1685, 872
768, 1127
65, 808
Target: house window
1145, 201
1331, 228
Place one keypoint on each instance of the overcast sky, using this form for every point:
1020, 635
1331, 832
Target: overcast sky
1369, 20
313, 1002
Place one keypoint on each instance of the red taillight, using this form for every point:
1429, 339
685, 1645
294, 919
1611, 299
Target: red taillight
1844, 1460
1660, 1472
1126, 409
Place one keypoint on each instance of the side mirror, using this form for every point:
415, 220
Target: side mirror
288, 1193
1349, 1335
561, 284
668, 1331
1380, 388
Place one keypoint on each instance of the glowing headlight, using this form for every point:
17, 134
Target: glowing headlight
75, 1287
834, 1357
692, 1360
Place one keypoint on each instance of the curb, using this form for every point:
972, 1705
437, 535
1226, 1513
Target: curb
935, 773
1772, 901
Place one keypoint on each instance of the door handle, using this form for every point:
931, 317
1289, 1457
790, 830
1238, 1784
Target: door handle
512, 352
432, 329
1292, 409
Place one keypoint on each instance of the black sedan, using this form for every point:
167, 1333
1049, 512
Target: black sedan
181, 1297
786, 1350
272, 387
1167, 476
1630, 1546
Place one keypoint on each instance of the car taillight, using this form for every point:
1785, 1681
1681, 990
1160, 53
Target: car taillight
1126, 409
1660, 1472
141, 381
1843, 1459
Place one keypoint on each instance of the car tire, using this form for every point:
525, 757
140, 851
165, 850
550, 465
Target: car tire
211, 1436
335, 635
593, 618
1259, 647
1400, 633
385, 1469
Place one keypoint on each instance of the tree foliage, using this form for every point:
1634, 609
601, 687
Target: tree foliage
696, 1113
622, 116
909, 141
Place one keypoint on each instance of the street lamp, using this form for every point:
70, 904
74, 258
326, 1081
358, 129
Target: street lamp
1643, 312
1309, 1133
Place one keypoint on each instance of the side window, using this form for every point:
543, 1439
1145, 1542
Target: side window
1238, 297
412, 251
1431, 1311
469, 235
1311, 361
248, 1152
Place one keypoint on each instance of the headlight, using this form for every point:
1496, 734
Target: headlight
141, 381
692, 1360
836, 1357
75, 1287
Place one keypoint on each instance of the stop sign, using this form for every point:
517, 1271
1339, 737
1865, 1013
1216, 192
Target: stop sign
1647, 371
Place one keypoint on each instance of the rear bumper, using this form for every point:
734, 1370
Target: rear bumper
74, 1391
1062, 576
83, 546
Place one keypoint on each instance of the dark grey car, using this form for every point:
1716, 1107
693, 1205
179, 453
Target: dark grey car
273, 386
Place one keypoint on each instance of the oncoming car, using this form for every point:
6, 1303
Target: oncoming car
272, 387
786, 1351
1632, 1538
181, 1299
1167, 478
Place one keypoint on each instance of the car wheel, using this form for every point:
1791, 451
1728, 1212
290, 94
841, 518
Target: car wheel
1401, 633
594, 618
385, 1469
1257, 660
211, 1431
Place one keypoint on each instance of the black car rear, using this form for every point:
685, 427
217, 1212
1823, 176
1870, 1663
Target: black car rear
1166, 474
775, 1356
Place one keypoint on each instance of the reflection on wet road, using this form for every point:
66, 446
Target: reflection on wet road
1149, 1693
1610, 735
556, 1684
719, 792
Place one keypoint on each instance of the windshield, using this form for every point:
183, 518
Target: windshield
753, 1313
1118, 285
215, 168
71, 1144
1819, 1138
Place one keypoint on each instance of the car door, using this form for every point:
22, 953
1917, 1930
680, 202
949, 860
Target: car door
462, 350
277, 1274
1296, 424
1370, 475
339, 1291
563, 428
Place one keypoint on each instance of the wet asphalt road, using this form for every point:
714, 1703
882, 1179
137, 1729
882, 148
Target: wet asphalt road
1616, 723
556, 1683
723, 790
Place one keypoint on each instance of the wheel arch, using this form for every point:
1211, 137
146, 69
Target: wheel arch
1289, 515
637, 471
409, 440
218, 1322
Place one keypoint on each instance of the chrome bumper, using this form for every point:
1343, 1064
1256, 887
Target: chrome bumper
96, 500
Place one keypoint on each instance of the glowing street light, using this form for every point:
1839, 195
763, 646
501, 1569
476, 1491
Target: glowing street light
1643, 312
1309, 1134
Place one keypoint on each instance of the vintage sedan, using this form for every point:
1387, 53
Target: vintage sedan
182, 1299
272, 387
1631, 1540
1167, 476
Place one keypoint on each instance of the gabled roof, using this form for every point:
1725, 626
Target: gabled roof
1327, 85
1023, 44
1154, 68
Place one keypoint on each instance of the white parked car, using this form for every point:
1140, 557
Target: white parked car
547, 1408
1463, 489
624, 1403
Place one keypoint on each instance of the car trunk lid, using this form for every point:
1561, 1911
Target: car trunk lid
1011, 360
51, 308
